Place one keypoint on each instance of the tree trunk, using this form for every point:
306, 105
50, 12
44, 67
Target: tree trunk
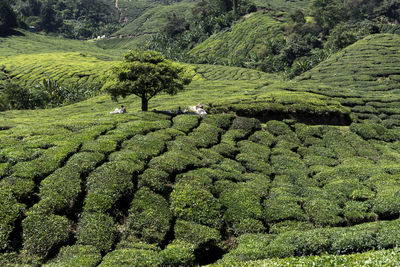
145, 104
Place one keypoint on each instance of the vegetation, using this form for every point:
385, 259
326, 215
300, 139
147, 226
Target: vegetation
146, 74
301, 172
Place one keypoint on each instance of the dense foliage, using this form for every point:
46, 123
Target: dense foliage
146, 74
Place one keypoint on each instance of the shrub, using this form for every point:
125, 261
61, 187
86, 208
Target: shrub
251, 247
388, 235
209, 157
387, 202
21, 188
149, 216
369, 130
85, 162
174, 161
59, 191
76, 255
206, 135
262, 137
254, 163
194, 202
355, 239
232, 136
278, 128
242, 203
316, 241
185, 123
323, 212
10, 212
341, 189
104, 144
96, 229
155, 179
109, 183
42, 232
220, 120
283, 207
284, 245
247, 124
289, 225
132, 257
195, 234
178, 253
226, 150
357, 212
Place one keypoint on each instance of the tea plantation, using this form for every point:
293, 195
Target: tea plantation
305, 172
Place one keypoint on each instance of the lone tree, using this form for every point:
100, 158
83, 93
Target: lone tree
145, 74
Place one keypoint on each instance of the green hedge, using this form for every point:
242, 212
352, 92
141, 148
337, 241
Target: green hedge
323, 212
158, 181
59, 191
106, 185
371, 258
178, 253
48, 162
174, 161
278, 128
232, 136
206, 135
185, 123
220, 120
263, 137
250, 247
243, 209
195, 234
368, 130
76, 255
283, 207
194, 202
96, 229
149, 216
43, 232
247, 124
10, 212
132, 257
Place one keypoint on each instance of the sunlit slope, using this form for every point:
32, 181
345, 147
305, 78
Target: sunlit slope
31, 43
284, 5
365, 77
153, 20
81, 186
247, 37
29, 58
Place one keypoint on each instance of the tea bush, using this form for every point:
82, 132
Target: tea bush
185, 123
10, 212
156, 180
132, 257
149, 216
97, 230
193, 202
178, 253
42, 232
195, 234
76, 255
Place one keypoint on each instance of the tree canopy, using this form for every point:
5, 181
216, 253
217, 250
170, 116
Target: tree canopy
146, 74
8, 19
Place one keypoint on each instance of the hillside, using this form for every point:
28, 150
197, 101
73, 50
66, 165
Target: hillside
248, 37
302, 169
365, 77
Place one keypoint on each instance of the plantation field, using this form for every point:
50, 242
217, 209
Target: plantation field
247, 37
363, 77
303, 169
79, 186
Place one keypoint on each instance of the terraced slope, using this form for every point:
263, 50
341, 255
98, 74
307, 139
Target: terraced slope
245, 38
284, 5
365, 77
79, 186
